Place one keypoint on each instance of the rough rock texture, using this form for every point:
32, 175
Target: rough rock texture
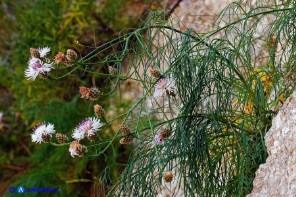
277, 177
199, 15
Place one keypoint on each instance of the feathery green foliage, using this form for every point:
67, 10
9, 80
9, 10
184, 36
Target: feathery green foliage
227, 93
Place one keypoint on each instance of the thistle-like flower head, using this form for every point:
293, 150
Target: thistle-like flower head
36, 67
77, 149
158, 139
87, 127
164, 85
44, 51
42, 132
38, 63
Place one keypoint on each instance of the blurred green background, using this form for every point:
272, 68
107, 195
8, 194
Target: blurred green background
57, 24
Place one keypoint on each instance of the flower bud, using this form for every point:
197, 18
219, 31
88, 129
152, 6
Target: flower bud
34, 53
124, 130
71, 55
46, 137
126, 140
61, 138
155, 73
94, 93
166, 133
99, 111
168, 176
112, 71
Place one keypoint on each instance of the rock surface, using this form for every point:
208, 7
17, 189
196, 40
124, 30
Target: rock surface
277, 177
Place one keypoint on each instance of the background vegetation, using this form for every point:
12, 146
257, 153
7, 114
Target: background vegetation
57, 24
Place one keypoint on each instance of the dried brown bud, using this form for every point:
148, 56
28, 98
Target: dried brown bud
155, 73
99, 111
170, 93
92, 137
71, 55
94, 93
46, 138
44, 75
61, 138
112, 71
126, 140
34, 53
124, 130
168, 176
166, 133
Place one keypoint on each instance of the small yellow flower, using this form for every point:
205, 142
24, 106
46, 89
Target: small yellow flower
282, 100
224, 129
248, 108
264, 77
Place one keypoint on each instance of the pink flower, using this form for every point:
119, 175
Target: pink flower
38, 63
158, 139
164, 85
1, 116
36, 67
44, 51
88, 127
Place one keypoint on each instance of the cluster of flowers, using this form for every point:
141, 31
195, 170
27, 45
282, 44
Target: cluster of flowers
87, 128
163, 87
40, 65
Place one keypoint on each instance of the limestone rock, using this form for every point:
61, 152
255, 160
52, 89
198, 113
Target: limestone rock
277, 177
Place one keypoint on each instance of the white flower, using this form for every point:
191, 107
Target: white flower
43, 51
164, 85
36, 67
77, 149
88, 127
42, 130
